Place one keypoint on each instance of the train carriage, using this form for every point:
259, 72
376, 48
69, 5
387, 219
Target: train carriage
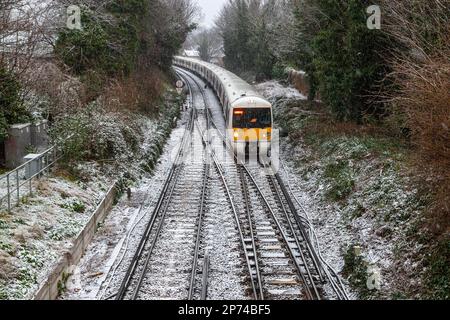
247, 114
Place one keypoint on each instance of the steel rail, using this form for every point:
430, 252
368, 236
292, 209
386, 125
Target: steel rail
229, 195
164, 211
199, 223
282, 232
205, 276
199, 231
331, 274
174, 171
300, 225
252, 232
297, 242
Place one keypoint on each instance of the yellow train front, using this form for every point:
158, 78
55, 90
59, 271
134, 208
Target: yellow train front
250, 126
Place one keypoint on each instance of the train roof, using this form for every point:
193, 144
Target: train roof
236, 87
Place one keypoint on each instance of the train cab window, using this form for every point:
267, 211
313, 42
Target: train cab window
248, 118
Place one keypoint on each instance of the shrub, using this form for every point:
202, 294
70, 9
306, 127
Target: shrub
421, 93
95, 134
139, 92
75, 206
355, 270
340, 180
107, 47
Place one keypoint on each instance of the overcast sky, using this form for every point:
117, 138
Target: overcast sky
210, 10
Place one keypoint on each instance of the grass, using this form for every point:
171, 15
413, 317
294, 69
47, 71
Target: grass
438, 275
19, 221
3, 293
4, 225
7, 247
340, 180
74, 206
27, 278
66, 230
356, 270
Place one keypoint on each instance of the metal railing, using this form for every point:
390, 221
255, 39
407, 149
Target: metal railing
17, 184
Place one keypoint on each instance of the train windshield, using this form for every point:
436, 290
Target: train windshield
252, 118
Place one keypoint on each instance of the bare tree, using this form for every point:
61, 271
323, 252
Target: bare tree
207, 42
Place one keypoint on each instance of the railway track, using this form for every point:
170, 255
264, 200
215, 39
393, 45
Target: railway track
282, 262
281, 277
161, 267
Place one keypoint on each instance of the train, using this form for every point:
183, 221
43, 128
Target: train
248, 116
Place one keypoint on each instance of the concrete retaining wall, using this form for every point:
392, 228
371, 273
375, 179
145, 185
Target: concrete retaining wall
49, 289
19, 138
22, 136
39, 135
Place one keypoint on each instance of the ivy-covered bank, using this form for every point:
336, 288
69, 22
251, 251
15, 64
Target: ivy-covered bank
170, 113
369, 208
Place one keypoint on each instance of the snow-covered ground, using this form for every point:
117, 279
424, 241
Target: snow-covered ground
40, 230
37, 233
376, 217
274, 89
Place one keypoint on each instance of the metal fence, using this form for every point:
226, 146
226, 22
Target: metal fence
17, 184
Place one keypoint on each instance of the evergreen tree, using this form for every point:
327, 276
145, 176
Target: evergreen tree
343, 56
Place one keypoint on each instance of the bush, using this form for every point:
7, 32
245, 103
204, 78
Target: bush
107, 45
423, 103
421, 93
170, 111
340, 180
95, 134
279, 71
137, 93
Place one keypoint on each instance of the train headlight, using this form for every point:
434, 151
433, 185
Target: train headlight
236, 135
266, 136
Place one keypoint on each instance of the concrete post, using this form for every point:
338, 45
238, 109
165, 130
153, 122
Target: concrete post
39, 136
35, 164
